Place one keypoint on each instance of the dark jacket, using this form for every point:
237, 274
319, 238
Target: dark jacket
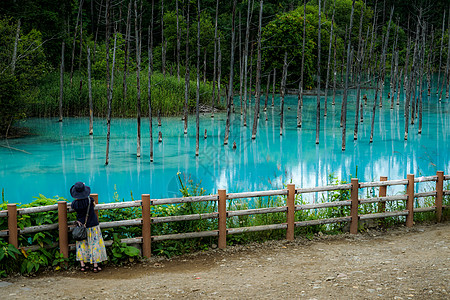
81, 206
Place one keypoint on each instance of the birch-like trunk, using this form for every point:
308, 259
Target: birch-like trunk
300, 85
197, 98
91, 106
318, 78
258, 74
230, 89
328, 64
179, 43
440, 55
163, 42
108, 86
187, 76
283, 91
215, 61
149, 86
344, 98
16, 43
245, 63
61, 83
127, 53
138, 80
273, 86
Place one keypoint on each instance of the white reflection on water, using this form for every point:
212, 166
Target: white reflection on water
63, 153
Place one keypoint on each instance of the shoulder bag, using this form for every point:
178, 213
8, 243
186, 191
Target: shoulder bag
79, 233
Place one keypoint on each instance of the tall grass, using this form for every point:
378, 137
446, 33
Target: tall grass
167, 96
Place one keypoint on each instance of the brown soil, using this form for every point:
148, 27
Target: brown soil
402, 263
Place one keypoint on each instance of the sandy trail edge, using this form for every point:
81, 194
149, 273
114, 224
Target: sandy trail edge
402, 263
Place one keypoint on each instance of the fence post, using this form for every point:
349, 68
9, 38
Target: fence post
95, 197
290, 214
410, 200
146, 226
12, 225
222, 207
382, 193
354, 207
439, 194
63, 229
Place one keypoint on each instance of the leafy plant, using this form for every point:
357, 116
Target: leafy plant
121, 252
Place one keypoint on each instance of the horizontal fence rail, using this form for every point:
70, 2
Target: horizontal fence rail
353, 203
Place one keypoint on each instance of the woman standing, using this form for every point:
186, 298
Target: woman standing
91, 250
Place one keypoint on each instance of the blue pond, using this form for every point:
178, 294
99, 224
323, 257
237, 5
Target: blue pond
59, 154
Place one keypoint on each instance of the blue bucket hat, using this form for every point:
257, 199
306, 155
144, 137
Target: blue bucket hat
80, 191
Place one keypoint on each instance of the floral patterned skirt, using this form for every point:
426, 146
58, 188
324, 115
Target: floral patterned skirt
92, 250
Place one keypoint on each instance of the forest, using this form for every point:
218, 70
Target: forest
125, 58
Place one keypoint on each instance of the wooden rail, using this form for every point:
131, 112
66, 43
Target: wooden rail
289, 208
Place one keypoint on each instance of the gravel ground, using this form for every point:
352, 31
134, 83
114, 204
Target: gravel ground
401, 263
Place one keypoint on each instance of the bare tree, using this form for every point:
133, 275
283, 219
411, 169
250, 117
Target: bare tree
79, 15
440, 54
300, 85
344, 98
283, 91
318, 78
187, 76
178, 41
245, 63
150, 73
163, 41
61, 83
197, 135
215, 60
91, 106
230, 89
138, 80
127, 53
329, 61
258, 74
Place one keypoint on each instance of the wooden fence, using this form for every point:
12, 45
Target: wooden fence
222, 214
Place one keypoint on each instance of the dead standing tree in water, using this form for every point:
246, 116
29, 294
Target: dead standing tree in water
187, 76
245, 63
258, 74
149, 87
230, 89
283, 91
138, 82
197, 98
300, 85
318, 79
329, 62
347, 74
215, 62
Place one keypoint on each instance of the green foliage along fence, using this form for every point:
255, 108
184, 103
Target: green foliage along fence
220, 216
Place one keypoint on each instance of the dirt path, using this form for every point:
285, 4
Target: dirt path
398, 264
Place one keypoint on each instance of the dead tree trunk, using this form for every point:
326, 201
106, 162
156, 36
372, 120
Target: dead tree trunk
91, 106
440, 55
258, 74
247, 37
446, 80
359, 56
344, 98
178, 43
163, 42
61, 83
300, 85
149, 86
197, 98
127, 53
108, 86
187, 76
215, 61
267, 92
318, 78
16, 43
138, 80
328, 65
80, 11
273, 86
230, 89
334, 71
283, 91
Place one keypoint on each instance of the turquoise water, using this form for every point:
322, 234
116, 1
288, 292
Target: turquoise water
59, 154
